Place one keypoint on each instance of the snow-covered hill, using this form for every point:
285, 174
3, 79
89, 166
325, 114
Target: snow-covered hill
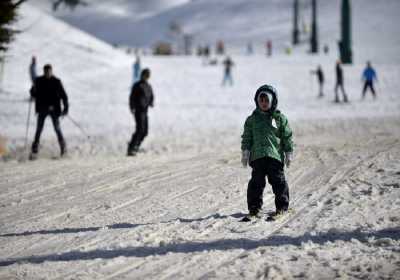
237, 22
172, 212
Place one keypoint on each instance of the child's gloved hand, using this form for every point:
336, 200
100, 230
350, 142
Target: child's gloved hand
288, 158
245, 157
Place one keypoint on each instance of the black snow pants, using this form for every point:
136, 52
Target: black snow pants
337, 86
142, 127
39, 128
273, 169
370, 85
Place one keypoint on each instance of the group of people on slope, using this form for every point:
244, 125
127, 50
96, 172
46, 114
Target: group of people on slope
51, 100
368, 77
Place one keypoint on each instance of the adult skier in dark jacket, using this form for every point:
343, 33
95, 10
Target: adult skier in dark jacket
48, 94
339, 83
321, 79
139, 101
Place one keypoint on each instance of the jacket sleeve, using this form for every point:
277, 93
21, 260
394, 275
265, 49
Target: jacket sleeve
132, 98
63, 96
151, 100
286, 135
247, 136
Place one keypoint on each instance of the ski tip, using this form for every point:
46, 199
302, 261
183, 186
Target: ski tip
245, 219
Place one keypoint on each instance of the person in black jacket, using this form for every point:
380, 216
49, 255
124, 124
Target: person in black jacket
48, 94
320, 78
339, 83
228, 64
139, 101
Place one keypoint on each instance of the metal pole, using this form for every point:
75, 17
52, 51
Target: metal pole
295, 39
314, 28
346, 54
2, 61
78, 126
27, 125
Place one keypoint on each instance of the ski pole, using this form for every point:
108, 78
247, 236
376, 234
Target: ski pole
78, 126
27, 125
379, 87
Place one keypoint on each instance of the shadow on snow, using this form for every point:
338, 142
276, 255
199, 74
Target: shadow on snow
118, 226
197, 247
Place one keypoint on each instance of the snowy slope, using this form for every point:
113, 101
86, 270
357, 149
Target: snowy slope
102, 18
172, 212
238, 22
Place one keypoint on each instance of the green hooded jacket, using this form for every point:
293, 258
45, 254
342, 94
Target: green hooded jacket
267, 134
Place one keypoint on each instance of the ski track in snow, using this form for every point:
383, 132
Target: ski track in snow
146, 235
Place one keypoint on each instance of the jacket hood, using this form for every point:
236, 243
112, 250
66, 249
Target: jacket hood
272, 95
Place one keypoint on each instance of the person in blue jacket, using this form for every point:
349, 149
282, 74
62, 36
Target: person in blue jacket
369, 76
136, 70
32, 70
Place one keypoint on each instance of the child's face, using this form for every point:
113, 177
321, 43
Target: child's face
263, 103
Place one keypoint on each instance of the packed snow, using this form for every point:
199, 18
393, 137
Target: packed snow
173, 211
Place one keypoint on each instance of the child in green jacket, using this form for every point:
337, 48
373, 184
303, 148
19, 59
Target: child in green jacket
267, 146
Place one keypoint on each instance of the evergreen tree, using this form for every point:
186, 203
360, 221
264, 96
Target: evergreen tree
8, 14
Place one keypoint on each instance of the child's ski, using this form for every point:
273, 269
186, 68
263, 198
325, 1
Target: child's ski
273, 217
251, 218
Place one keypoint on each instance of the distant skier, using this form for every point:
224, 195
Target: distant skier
339, 83
250, 49
199, 51
139, 101
268, 46
320, 78
326, 49
136, 70
206, 52
220, 49
48, 94
267, 146
228, 64
32, 70
369, 76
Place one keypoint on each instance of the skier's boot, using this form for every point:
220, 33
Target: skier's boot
132, 151
253, 215
279, 214
33, 156
34, 151
63, 150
